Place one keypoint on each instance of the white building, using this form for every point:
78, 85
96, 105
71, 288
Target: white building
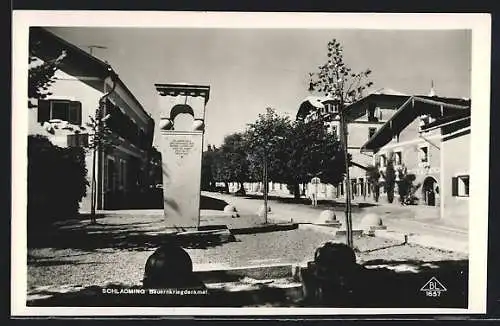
81, 83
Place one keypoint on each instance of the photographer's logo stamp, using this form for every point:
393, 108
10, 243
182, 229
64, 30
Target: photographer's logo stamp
433, 288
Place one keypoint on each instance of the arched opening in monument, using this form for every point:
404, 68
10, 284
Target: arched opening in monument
430, 189
183, 117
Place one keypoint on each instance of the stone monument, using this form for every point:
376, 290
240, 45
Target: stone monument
182, 125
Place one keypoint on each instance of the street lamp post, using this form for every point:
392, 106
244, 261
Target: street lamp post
264, 172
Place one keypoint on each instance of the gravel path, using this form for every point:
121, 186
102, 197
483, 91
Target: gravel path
48, 266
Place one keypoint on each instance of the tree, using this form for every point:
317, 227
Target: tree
335, 79
390, 177
311, 151
103, 141
235, 159
207, 177
406, 189
41, 74
373, 176
153, 170
264, 141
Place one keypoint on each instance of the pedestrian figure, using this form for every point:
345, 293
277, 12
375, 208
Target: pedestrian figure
314, 194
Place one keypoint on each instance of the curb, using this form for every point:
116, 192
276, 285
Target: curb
437, 243
425, 241
259, 272
222, 236
265, 228
332, 230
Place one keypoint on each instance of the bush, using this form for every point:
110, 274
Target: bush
57, 181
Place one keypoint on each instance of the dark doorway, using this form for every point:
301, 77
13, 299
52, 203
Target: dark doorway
429, 189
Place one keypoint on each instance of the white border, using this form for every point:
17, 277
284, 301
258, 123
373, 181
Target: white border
480, 94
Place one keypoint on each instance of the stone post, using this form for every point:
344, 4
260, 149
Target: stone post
182, 125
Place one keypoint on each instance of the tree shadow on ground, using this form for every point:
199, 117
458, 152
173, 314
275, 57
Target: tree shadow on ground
48, 263
134, 236
399, 284
79, 234
322, 203
378, 287
212, 203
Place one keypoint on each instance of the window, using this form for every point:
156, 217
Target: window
424, 154
60, 110
398, 157
371, 132
460, 186
424, 120
123, 173
354, 187
331, 108
78, 140
65, 110
382, 161
372, 112
110, 174
334, 131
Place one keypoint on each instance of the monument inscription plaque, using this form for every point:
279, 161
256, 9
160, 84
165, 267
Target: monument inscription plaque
181, 146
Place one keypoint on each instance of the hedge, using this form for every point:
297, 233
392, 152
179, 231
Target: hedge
57, 181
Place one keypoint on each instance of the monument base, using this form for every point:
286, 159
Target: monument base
181, 157
195, 237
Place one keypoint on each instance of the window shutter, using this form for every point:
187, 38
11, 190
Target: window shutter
454, 186
43, 111
75, 112
72, 140
83, 140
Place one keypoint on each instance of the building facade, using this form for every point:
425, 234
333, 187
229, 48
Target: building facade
82, 81
455, 173
364, 119
415, 147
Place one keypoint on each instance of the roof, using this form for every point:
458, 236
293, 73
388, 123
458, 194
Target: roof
77, 62
382, 97
309, 104
449, 124
413, 107
182, 88
387, 91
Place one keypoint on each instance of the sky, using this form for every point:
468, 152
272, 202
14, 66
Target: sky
249, 70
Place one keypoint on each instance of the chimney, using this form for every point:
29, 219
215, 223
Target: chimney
432, 91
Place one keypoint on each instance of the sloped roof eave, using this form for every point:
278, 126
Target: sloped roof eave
78, 62
392, 126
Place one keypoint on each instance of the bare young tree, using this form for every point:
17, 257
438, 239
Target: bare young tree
336, 80
103, 141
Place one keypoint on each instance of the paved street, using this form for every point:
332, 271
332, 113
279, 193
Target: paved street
420, 220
